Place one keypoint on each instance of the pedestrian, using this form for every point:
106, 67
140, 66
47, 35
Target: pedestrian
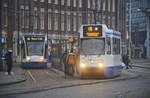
126, 61
70, 63
9, 61
63, 59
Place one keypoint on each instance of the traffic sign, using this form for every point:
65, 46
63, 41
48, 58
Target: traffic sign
2, 40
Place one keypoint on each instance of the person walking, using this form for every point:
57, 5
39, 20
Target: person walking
70, 63
63, 59
9, 61
126, 61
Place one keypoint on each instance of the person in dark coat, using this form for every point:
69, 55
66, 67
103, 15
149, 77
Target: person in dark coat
63, 59
9, 61
126, 60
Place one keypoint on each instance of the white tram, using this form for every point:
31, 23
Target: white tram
34, 51
99, 51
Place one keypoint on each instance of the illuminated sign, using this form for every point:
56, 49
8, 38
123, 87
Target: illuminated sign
94, 34
34, 38
92, 31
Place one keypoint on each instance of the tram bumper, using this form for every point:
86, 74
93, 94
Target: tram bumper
91, 69
38, 62
113, 71
34, 64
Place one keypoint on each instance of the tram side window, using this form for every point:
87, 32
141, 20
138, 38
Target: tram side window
116, 46
108, 45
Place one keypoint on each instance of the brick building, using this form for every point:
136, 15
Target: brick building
59, 19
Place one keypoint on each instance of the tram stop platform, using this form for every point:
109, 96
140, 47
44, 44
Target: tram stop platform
17, 76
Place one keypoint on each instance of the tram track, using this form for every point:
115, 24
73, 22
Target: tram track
41, 75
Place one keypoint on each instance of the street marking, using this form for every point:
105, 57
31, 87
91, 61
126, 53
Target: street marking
30, 74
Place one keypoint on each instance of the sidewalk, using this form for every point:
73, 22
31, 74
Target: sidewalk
17, 76
143, 63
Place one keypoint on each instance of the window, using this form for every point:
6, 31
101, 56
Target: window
109, 3
108, 45
35, 17
62, 2
113, 22
62, 21
100, 18
116, 46
5, 14
93, 4
49, 19
68, 2
42, 18
74, 22
56, 2
68, 21
27, 17
80, 3
104, 21
74, 3
89, 19
113, 5
49, 1
80, 20
42, 0
93, 18
104, 4
56, 20
89, 3
22, 16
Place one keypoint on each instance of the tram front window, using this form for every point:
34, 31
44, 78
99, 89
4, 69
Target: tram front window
35, 48
92, 46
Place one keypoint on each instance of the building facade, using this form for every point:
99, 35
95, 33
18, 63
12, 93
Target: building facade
59, 19
145, 9
136, 28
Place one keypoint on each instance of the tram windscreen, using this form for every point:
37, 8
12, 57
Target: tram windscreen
35, 48
92, 46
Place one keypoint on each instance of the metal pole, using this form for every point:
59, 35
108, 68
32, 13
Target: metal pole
148, 39
18, 52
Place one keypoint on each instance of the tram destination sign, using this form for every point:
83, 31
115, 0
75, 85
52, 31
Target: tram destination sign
34, 38
92, 31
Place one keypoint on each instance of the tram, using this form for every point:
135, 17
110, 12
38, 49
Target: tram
34, 51
99, 51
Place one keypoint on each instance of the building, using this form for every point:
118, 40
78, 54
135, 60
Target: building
145, 9
136, 28
59, 19
137, 24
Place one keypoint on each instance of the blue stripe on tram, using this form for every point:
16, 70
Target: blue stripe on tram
113, 71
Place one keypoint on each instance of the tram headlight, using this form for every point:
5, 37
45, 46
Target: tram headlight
27, 59
101, 64
41, 59
82, 64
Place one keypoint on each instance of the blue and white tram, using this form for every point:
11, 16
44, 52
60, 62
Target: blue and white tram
99, 51
34, 51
